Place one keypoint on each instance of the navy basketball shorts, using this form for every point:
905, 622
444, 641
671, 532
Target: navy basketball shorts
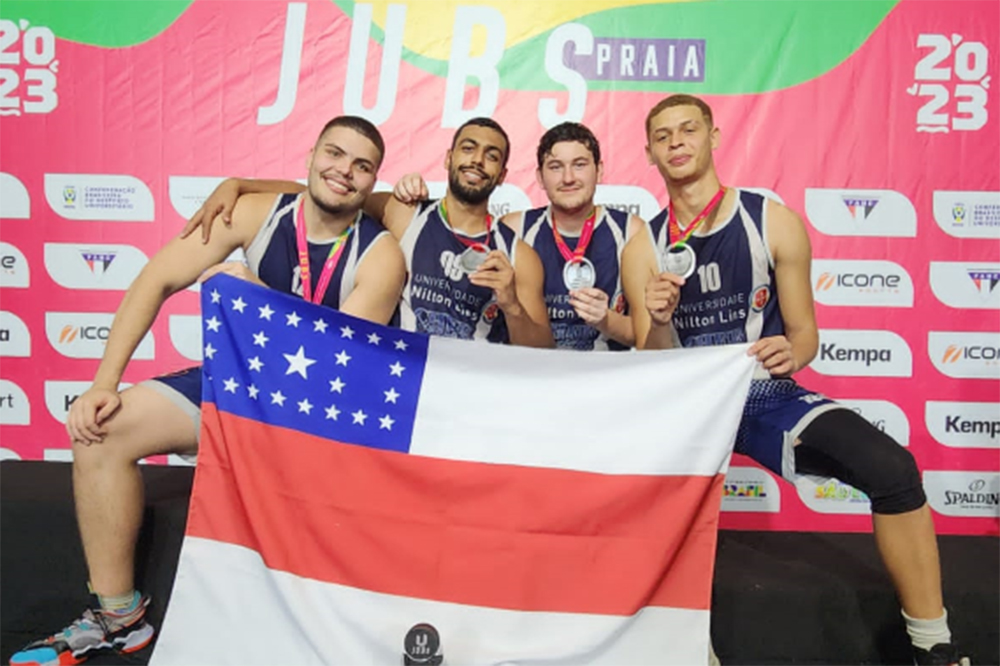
183, 389
774, 416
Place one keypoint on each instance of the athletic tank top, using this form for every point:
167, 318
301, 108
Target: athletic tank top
273, 255
604, 251
438, 298
730, 298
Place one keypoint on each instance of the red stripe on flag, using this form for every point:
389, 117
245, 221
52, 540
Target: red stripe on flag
481, 534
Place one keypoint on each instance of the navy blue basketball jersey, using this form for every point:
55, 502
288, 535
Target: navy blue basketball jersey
273, 254
730, 298
604, 251
438, 298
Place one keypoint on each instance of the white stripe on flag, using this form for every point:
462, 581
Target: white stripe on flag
569, 410
276, 617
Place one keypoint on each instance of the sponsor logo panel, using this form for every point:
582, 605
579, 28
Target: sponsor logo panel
972, 425
750, 489
59, 395
188, 193
14, 271
78, 266
972, 285
831, 496
15, 338
884, 415
968, 214
15, 203
967, 494
84, 334
629, 198
965, 355
100, 197
862, 354
185, 335
861, 283
838, 212
14, 406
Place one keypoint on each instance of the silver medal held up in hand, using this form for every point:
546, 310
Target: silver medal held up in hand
579, 273
679, 258
472, 258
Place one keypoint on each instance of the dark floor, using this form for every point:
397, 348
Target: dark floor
779, 597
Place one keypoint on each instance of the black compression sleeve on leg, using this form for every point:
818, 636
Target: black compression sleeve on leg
844, 445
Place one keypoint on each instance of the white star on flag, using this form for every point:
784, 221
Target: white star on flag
305, 405
320, 326
396, 369
347, 332
293, 319
266, 312
359, 417
209, 350
215, 296
278, 399
385, 423
337, 386
342, 358
332, 412
298, 362
260, 339
401, 345
230, 385
239, 304
255, 363
391, 395
253, 391
374, 339
213, 324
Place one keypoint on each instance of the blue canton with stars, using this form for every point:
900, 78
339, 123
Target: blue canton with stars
281, 360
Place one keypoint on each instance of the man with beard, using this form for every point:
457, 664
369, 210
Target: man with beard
723, 266
578, 243
317, 245
469, 277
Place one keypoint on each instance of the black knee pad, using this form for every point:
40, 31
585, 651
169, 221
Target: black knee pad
844, 445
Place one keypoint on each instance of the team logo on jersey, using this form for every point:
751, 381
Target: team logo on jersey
760, 298
860, 207
619, 304
491, 312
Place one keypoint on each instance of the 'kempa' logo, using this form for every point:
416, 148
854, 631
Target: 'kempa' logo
863, 353
974, 425
15, 338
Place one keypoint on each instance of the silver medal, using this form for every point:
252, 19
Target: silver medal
679, 259
579, 273
472, 258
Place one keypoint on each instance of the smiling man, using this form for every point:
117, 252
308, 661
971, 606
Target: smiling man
317, 245
468, 277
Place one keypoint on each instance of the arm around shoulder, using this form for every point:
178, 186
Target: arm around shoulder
379, 282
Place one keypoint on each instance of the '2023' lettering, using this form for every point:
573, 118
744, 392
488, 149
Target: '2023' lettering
969, 64
38, 49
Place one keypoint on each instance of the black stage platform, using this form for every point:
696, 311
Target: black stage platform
780, 598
